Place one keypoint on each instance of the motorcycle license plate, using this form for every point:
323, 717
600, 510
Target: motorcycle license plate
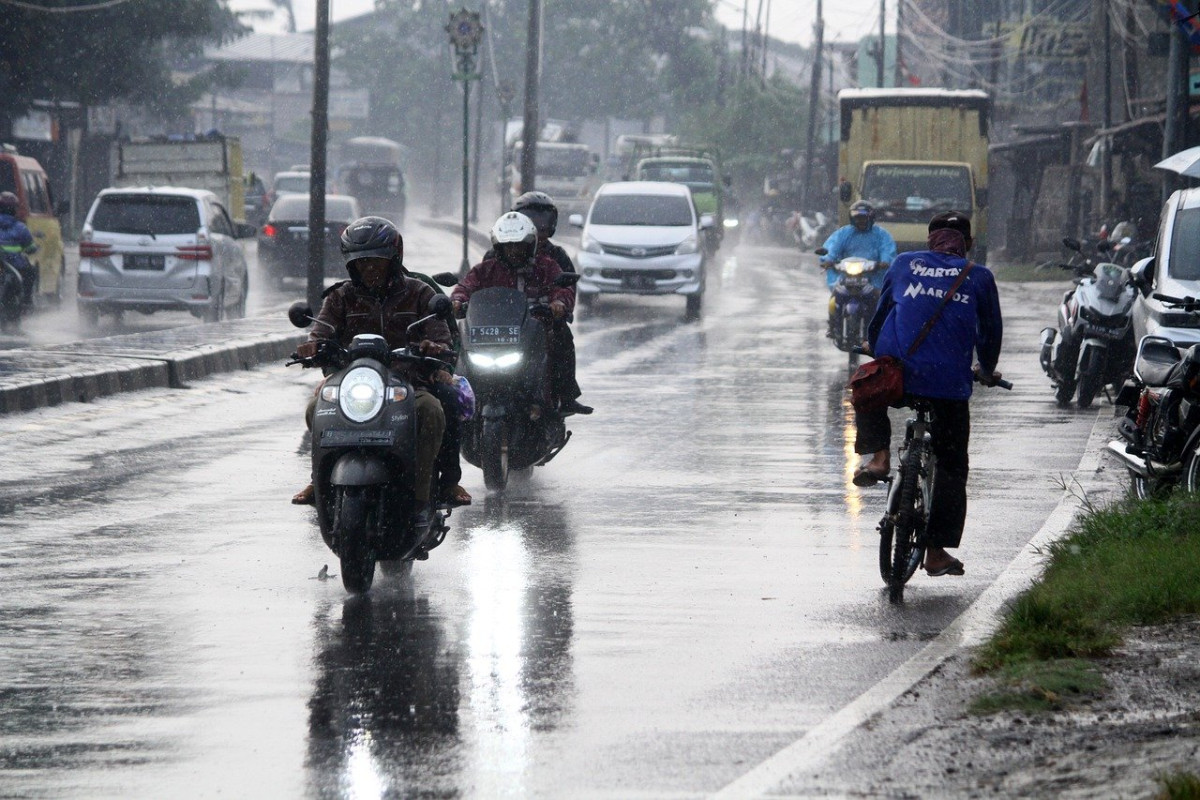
640, 283
145, 261
339, 438
494, 334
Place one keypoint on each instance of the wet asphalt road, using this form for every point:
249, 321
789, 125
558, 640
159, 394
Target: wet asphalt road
687, 589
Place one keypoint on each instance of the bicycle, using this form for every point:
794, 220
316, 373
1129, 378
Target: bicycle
902, 531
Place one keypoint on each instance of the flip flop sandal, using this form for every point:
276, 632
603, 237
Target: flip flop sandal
304, 497
457, 496
864, 477
955, 567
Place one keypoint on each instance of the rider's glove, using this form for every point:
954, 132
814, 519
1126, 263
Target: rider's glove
559, 309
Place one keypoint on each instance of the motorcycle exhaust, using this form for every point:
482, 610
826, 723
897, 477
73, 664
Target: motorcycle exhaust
1117, 448
1048, 336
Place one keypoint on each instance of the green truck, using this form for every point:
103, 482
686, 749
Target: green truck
913, 153
700, 170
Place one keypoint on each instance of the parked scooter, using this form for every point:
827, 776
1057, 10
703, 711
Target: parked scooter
810, 228
852, 300
1160, 433
1093, 345
517, 426
364, 439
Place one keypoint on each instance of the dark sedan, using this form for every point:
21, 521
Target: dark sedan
283, 240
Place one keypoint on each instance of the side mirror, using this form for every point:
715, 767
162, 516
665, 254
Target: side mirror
245, 230
1072, 244
845, 191
576, 220
566, 279
442, 306
981, 197
706, 221
300, 314
1139, 274
821, 251
445, 279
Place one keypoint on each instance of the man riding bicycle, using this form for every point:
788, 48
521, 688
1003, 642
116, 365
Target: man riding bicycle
939, 371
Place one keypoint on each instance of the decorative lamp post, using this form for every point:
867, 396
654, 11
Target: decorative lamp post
466, 32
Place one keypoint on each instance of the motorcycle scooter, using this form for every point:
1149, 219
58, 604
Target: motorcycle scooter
1093, 344
852, 301
1160, 432
364, 435
12, 297
516, 426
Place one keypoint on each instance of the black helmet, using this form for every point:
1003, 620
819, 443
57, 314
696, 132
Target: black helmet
540, 208
9, 204
863, 209
954, 220
371, 237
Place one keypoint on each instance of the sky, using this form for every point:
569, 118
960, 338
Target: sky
790, 20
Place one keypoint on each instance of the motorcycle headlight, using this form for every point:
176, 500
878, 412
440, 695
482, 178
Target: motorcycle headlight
590, 245
502, 361
854, 266
361, 395
730, 222
687, 246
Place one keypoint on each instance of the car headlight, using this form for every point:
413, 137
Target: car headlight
589, 245
687, 246
502, 361
361, 395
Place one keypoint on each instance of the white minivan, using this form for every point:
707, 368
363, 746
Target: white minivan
1173, 270
642, 237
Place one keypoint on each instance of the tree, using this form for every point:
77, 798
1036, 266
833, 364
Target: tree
91, 57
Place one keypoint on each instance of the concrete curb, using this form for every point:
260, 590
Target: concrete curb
969, 629
83, 371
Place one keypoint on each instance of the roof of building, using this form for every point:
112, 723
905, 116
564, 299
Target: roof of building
294, 48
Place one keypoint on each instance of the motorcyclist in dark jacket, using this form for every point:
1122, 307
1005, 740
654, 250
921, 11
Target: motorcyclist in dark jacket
543, 213
380, 299
16, 244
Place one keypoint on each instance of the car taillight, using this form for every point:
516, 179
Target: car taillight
268, 230
94, 249
194, 252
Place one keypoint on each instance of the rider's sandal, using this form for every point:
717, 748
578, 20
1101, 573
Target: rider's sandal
304, 497
864, 477
954, 567
457, 496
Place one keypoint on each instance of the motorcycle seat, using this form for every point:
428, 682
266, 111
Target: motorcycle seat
1158, 373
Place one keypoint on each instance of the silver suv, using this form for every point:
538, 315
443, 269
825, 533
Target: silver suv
642, 237
1173, 270
157, 249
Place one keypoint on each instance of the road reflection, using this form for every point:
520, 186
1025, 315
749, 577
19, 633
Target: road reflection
423, 690
383, 716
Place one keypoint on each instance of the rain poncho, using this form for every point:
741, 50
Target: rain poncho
874, 244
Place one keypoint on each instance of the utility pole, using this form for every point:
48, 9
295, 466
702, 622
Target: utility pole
1175, 133
478, 155
533, 70
765, 45
1106, 143
899, 74
814, 105
882, 40
320, 132
745, 34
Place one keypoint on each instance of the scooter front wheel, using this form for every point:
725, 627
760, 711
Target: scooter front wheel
350, 528
493, 455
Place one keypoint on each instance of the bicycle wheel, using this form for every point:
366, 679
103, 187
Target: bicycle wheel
909, 522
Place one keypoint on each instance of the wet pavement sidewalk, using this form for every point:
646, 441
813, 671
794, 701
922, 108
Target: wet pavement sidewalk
82, 371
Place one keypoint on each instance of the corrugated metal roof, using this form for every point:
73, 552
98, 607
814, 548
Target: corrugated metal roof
289, 48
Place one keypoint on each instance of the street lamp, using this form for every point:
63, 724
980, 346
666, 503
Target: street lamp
466, 31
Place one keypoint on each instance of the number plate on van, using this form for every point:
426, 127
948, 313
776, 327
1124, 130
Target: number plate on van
144, 261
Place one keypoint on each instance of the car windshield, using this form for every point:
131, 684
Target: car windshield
641, 209
152, 215
557, 162
698, 174
1185, 243
338, 209
915, 192
292, 183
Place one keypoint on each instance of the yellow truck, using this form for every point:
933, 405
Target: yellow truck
211, 162
913, 153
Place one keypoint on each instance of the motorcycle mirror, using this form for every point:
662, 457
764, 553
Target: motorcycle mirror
441, 306
300, 314
821, 251
1072, 244
1104, 246
445, 279
567, 279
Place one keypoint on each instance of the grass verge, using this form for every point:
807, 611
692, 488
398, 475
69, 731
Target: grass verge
1131, 563
1180, 786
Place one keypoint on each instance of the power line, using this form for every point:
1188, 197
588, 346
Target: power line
64, 9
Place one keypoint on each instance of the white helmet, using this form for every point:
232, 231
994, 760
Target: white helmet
514, 239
